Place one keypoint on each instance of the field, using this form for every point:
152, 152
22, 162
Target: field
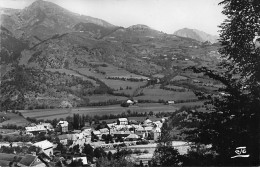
112, 71
102, 110
71, 72
138, 119
92, 111
13, 119
105, 97
155, 93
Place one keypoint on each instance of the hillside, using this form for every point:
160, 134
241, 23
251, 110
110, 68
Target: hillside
196, 35
11, 47
43, 19
85, 61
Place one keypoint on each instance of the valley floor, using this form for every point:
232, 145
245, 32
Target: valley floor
102, 110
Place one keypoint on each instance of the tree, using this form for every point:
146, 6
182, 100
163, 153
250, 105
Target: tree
104, 137
99, 152
199, 156
76, 148
166, 156
109, 155
88, 150
121, 162
233, 121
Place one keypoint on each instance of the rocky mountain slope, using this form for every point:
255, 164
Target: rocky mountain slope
196, 34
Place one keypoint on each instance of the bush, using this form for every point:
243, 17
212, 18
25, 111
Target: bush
137, 151
145, 151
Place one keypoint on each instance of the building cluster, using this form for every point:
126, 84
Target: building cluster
123, 131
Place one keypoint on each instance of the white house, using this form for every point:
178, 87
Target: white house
148, 122
97, 133
63, 126
111, 125
84, 160
46, 146
35, 129
170, 102
122, 121
156, 133
130, 102
104, 131
158, 124
48, 126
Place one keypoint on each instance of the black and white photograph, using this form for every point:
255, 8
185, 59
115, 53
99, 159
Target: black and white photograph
129, 83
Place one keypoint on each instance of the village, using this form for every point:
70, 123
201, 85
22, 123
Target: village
59, 146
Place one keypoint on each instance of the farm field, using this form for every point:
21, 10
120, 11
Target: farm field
13, 119
92, 111
105, 97
71, 72
102, 110
155, 93
138, 119
112, 71
114, 84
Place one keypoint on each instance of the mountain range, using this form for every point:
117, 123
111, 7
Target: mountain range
44, 38
196, 35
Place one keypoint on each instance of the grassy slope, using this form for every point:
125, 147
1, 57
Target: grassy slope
14, 119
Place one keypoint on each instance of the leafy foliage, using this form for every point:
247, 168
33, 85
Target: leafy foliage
232, 119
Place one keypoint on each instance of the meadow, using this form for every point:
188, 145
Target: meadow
13, 118
154, 93
103, 110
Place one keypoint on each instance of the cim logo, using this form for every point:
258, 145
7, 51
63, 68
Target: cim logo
241, 152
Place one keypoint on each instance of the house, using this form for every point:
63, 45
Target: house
133, 122
156, 133
122, 134
148, 129
46, 146
158, 124
130, 102
87, 132
104, 131
122, 121
48, 126
97, 133
141, 132
63, 139
170, 102
111, 125
35, 129
84, 160
132, 137
148, 122
31, 161
63, 126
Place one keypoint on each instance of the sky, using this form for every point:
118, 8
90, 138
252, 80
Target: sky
163, 15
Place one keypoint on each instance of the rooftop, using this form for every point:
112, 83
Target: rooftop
43, 144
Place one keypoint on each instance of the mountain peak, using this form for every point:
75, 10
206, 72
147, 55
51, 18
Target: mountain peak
40, 4
196, 34
139, 26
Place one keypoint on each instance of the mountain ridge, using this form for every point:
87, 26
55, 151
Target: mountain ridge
196, 34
